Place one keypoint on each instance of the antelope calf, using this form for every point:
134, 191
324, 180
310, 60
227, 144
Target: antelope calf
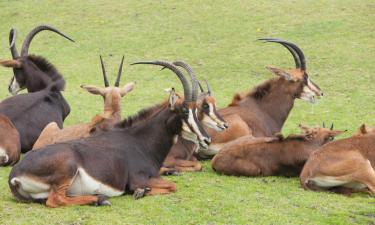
271, 156
10, 146
112, 113
125, 159
263, 111
44, 102
343, 166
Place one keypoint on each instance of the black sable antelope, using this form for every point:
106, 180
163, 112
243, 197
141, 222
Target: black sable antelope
125, 159
44, 103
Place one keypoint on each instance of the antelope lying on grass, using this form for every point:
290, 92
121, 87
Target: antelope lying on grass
111, 115
44, 103
10, 146
271, 156
263, 111
124, 159
343, 166
181, 157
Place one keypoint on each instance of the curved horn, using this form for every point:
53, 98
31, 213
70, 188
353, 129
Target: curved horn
331, 127
106, 84
299, 57
30, 36
194, 81
12, 43
117, 83
200, 86
324, 125
185, 84
208, 87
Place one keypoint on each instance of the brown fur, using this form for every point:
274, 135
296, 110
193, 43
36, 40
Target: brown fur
249, 156
112, 114
9, 141
349, 163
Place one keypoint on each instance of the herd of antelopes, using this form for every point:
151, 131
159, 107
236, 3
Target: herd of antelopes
109, 156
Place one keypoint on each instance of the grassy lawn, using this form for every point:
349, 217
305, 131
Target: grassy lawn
217, 39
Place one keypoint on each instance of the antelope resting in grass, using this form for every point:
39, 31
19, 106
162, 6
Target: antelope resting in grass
181, 158
111, 115
271, 156
343, 166
10, 146
125, 159
44, 103
263, 111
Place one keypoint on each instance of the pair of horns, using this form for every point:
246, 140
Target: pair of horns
117, 83
190, 95
299, 57
29, 38
324, 126
207, 85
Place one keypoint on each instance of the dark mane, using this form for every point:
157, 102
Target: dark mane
257, 92
261, 90
45, 66
142, 115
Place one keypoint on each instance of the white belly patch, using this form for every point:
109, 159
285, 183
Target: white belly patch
328, 182
84, 184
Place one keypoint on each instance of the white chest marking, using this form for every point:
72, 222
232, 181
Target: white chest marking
84, 184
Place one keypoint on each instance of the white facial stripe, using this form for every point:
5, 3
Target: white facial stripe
194, 125
14, 86
313, 87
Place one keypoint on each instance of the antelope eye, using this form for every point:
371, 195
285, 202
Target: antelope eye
206, 106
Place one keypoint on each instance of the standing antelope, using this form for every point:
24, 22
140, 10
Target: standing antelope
111, 115
271, 156
263, 111
44, 103
124, 159
181, 157
343, 166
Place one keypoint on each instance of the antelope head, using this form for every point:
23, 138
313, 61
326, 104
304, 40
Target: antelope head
185, 108
320, 133
111, 95
305, 88
29, 71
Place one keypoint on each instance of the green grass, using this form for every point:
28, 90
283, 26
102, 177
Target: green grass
217, 39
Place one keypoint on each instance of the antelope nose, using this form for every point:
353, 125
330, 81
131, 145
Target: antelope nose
207, 141
226, 125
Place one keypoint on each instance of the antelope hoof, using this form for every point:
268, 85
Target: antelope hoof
172, 173
103, 201
140, 192
4, 159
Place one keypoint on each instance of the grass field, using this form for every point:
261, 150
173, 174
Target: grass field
218, 39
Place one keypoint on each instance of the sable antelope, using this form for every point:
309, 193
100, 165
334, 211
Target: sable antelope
10, 146
125, 159
263, 111
181, 157
44, 103
111, 115
271, 156
343, 166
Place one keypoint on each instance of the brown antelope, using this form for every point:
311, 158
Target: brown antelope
31, 112
181, 158
263, 111
10, 146
271, 156
125, 159
111, 115
343, 166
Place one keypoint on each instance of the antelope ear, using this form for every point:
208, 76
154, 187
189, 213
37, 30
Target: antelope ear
280, 73
127, 88
363, 129
11, 63
173, 97
304, 127
93, 90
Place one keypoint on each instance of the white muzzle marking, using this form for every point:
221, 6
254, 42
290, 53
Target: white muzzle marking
14, 86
